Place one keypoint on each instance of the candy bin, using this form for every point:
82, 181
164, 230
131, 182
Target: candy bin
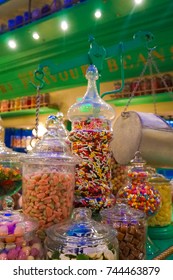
140, 194
48, 178
18, 240
131, 226
10, 170
81, 238
164, 215
90, 136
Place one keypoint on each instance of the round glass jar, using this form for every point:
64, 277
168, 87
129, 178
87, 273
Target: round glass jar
139, 193
18, 239
164, 215
131, 227
49, 178
90, 136
81, 238
10, 170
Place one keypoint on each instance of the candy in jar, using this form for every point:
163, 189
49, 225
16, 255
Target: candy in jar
131, 227
90, 136
164, 215
18, 239
138, 192
48, 178
81, 238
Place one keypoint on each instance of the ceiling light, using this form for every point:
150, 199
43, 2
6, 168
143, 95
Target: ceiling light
35, 35
138, 1
64, 25
98, 14
12, 44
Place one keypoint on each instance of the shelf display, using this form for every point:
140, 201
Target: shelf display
49, 178
18, 240
131, 227
90, 136
81, 238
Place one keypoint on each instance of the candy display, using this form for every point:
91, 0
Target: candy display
90, 136
18, 240
139, 193
164, 215
81, 238
49, 178
118, 175
131, 227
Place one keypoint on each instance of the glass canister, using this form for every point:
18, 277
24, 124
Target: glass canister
18, 240
131, 227
164, 215
10, 170
139, 193
49, 178
90, 136
81, 238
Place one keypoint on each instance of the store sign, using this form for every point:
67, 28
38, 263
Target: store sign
18, 83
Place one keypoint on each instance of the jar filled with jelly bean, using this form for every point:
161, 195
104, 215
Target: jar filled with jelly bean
90, 136
10, 170
18, 239
164, 215
49, 178
81, 238
139, 192
131, 227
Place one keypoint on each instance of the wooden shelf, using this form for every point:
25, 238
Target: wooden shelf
28, 112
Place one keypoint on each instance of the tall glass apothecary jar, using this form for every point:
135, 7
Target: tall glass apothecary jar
49, 178
90, 136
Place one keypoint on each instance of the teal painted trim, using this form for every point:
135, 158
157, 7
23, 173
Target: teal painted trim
28, 112
139, 100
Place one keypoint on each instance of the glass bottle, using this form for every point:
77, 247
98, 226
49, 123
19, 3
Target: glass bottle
81, 238
49, 178
131, 227
90, 136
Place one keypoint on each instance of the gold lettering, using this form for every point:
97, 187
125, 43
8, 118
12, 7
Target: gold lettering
158, 55
52, 77
126, 65
3, 89
84, 68
24, 79
112, 65
63, 76
142, 59
74, 73
10, 86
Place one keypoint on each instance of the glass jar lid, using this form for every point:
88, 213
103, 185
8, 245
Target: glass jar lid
80, 230
91, 105
53, 145
13, 222
122, 212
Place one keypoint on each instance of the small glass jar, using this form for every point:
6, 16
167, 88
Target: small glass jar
138, 192
90, 136
49, 178
164, 215
131, 227
18, 240
10, 170
81, 238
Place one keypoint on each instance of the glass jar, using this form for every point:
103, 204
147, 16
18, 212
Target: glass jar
81, 238
90, 136
138, 192
131, 227
18, 240
49, 178
164, 215
10, 170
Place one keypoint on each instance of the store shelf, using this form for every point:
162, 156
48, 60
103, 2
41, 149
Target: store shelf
28, 112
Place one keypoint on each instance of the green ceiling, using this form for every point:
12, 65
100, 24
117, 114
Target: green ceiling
120, 21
